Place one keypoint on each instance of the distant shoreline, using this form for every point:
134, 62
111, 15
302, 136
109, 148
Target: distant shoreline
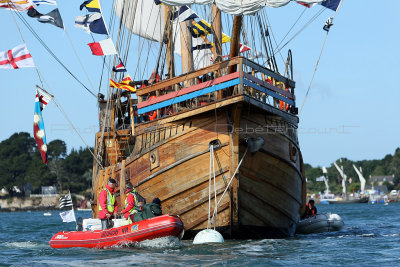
35, 203
29, 209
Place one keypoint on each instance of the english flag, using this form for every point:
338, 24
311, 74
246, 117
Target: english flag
41, 100
103, 48
120, 67
18, 57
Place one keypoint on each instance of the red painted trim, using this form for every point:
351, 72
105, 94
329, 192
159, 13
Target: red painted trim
188, 90
269, 86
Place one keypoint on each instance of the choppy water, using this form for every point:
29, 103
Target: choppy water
371, 236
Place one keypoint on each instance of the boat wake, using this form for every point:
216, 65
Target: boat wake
22, 245
161, 242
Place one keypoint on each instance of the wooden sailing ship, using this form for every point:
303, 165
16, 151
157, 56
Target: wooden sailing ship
222, 106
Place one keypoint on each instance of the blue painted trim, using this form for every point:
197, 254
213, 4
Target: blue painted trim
269, 92
268, 72
195, 94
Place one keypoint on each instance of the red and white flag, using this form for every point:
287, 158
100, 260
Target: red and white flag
16, 5
18, 57
244, 48
43, 98
103, 48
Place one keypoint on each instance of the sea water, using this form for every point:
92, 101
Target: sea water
370, 237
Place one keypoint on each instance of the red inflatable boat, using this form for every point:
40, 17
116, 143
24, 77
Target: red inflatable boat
161, 226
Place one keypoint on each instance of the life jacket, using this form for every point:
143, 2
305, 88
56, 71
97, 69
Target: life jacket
133, 193
311, 211
152, 114
110, 201
282, 104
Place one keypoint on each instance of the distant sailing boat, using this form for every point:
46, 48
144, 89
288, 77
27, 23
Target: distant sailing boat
327, 197
226, 119
345, 198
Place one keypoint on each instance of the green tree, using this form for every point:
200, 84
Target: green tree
15, 159
57, 151
77, 167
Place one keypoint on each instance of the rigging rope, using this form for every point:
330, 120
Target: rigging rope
291, 28
50, 51
41, 78
79, 60
316, 65
308, 23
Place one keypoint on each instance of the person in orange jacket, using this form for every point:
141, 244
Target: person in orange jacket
311, 210
132, 203
107, 204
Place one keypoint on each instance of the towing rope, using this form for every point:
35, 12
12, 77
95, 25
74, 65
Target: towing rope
212, 173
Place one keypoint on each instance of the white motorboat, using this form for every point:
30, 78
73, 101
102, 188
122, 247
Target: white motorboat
320, 223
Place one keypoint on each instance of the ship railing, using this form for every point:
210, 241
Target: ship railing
237, 76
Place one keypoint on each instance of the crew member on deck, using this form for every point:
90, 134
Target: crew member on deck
107, 204
311, 210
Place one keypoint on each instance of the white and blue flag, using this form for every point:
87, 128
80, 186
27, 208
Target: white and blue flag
91, 23
44, 2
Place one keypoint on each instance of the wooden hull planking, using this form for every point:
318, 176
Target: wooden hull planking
172, 161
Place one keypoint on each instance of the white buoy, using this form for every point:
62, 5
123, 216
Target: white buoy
208, 236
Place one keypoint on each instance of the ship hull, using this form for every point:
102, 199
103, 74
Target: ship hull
172, 162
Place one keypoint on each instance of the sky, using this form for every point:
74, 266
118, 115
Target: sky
351, 110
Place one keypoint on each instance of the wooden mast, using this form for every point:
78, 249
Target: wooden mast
217, 36
186, 50
217, 32
235, 42
235, 45
235, 114
170, 43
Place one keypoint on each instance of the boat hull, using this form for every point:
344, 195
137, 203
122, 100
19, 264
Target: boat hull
320, 223
171, 160
161, 226
350, 201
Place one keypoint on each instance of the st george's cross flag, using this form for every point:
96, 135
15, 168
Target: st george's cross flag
18, 57
41, 100
120, 67
103, 48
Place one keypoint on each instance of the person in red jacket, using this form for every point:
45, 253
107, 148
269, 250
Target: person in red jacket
311, 210
132, 204
107, 204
